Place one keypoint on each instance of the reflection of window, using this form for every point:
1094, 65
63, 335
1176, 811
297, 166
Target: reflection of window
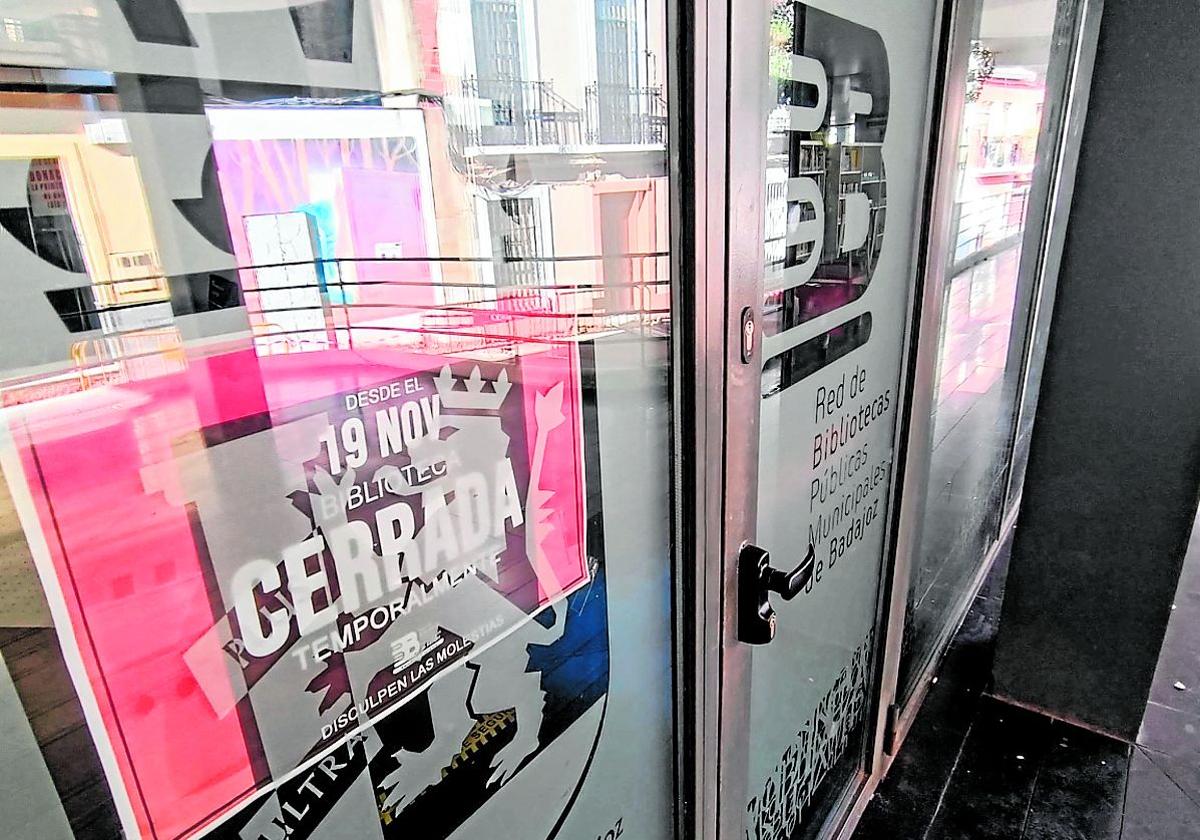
516, 242
496, 30
616, 243
76, 307
14, 30
495, 26
283, 253
614, 88
44, 225
777, 218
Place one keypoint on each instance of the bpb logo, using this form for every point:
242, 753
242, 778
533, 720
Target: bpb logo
826, 186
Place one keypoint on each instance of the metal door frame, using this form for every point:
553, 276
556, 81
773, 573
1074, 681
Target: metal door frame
745, 257
698, 46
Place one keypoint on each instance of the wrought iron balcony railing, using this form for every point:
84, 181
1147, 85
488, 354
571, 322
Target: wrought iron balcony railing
516, 112
523, 112
619, 114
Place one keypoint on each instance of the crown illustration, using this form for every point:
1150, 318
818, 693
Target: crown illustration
474, 396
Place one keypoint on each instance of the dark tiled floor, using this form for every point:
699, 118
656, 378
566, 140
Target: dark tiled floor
36, 665
975, 768
1164, 777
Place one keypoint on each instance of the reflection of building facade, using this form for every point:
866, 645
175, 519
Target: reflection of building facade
999, 142
94, 274
320, 218
542, 134
505, 88
1001, 125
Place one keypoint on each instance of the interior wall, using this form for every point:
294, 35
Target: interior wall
1114, 467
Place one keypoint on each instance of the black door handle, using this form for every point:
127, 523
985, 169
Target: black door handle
756, 579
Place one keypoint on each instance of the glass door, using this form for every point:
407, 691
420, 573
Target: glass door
830, 113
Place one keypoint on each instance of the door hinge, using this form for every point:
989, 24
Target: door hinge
889, 728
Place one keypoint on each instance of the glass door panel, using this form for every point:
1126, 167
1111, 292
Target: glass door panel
334, 419
985, 310
845, 125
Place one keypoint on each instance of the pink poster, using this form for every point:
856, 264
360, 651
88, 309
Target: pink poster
258, 558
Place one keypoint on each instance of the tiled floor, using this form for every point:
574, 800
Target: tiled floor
53, 785
22, 603
975, 768
1169, 742
28, 800
49, 708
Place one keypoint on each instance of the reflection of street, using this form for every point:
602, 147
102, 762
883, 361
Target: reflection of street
999, 141
975, 390
520, 196
975, 338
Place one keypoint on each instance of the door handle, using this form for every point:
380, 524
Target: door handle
757, 578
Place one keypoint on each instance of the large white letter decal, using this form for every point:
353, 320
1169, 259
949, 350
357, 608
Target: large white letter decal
249, 619
304, 584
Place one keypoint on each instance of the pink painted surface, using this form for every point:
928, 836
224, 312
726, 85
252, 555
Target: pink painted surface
360, 193
549, 386
383, 214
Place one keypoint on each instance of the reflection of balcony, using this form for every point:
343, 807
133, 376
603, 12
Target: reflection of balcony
619, 114
523, 130
516, 112
397, 308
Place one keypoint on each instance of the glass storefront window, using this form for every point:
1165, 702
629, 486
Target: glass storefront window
333, 419
336, 409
